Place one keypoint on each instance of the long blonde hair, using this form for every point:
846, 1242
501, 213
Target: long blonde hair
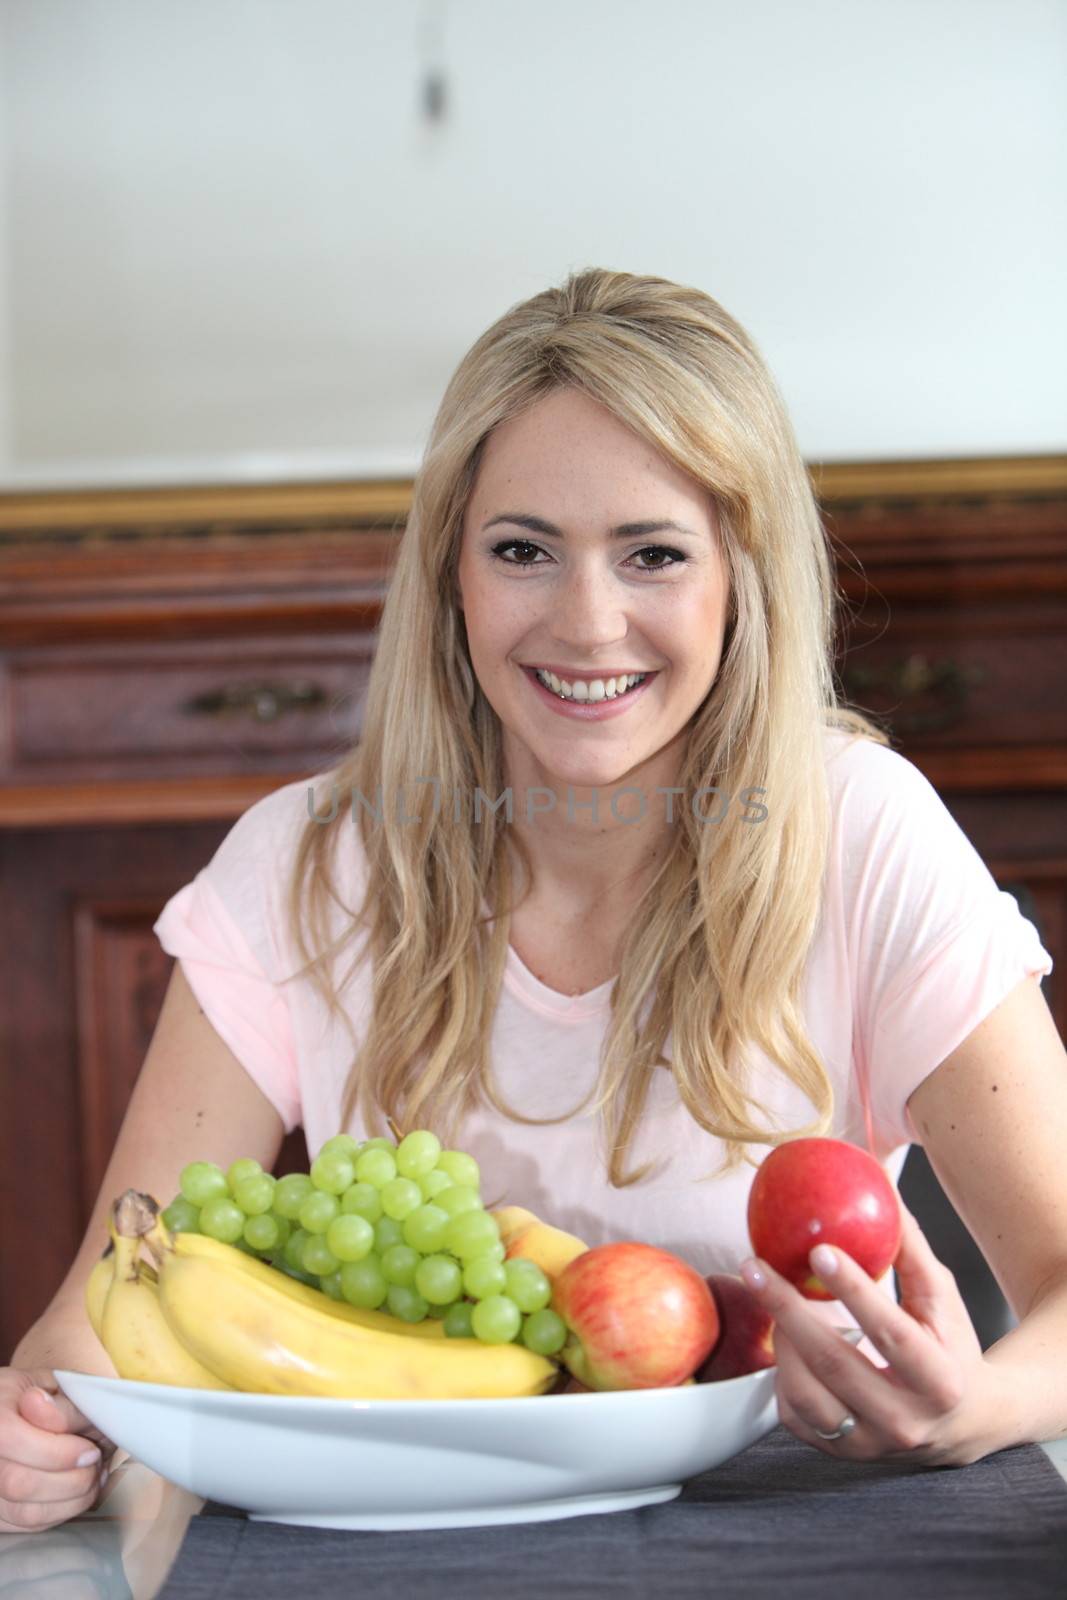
716, 948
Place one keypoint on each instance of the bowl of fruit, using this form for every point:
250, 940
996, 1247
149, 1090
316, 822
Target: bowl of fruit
366, 1346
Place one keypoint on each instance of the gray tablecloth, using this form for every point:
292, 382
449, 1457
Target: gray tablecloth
781, 1520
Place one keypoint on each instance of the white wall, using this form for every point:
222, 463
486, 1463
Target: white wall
236, 249
6, 462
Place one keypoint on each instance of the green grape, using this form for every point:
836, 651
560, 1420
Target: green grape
438, 1313
181, 1216
417, 1154
459, 1197
294, 1249
458, 1321
439, 1280
406, 1303
261, 1232
527, 1285
331, 1285
343, 1142
387, 1231
431, 1183
375, 1166
350, 1238
362, 1200
497, 1251
244, 1247
239, 1170
318, 1211
380, 1143
290, 1193
317, 1257
461, 1168
470, 1234
399, 1263
285, 1228
333, 1172
496, 1319
362, 1283
400, 1197
221, 1219
544, 1332
425, 1228
483, 1276
201, 1181
254, 1194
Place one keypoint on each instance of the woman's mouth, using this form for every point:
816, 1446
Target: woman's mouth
602, 698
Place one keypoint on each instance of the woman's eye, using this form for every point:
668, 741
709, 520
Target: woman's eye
674, 557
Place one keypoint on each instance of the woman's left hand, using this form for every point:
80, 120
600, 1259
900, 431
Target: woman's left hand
933, 1403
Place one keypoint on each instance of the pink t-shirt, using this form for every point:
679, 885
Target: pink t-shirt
914, 947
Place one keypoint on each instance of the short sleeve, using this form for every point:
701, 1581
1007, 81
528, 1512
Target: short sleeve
936, 945
220, 927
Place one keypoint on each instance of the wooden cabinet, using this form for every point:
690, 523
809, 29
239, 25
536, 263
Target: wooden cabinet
168, 658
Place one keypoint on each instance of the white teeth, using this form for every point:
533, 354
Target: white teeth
598, 689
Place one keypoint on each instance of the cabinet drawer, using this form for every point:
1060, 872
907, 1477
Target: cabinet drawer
181, 709
929, 682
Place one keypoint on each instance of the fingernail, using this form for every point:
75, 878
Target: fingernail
753, 1274
46, 1396
824, 1260
88, 1458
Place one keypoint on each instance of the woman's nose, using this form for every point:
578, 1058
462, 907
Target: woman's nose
586, 606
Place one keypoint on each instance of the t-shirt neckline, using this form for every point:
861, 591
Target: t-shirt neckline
530, 989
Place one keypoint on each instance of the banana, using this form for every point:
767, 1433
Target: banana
97, 1286
513, 1220
303, 1293
134, 1331
260, 1337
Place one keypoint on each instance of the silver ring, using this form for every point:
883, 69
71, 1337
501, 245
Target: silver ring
845, 1427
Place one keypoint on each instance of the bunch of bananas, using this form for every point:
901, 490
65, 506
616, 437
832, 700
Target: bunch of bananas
208, 1316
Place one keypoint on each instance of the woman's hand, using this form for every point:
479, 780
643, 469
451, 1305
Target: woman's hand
932, 1403
52, 1459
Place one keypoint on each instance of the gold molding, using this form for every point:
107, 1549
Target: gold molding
386, 500
1022, 477
259, 505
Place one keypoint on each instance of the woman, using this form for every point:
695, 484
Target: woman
614, 894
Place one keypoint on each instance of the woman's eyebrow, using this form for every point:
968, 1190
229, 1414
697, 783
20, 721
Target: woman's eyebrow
625, 530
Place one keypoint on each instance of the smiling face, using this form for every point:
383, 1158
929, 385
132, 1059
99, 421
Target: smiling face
612, 592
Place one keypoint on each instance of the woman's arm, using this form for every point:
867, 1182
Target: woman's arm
193, 1100
993, 1120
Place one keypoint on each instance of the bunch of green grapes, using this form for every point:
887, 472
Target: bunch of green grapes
399, 1226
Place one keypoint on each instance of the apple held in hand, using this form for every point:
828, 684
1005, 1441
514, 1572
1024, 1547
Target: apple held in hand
639, 1317
822, 1191
746, 1331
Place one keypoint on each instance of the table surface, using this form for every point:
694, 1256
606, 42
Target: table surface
126, 1548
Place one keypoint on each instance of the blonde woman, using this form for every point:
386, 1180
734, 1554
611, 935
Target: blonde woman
614, 894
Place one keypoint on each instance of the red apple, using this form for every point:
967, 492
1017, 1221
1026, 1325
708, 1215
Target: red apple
822, 1191
639, 1317
746, 1338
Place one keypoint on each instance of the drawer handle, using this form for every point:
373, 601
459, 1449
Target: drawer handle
912, 678
265, 702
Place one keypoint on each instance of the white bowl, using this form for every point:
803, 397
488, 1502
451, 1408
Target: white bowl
429, 1463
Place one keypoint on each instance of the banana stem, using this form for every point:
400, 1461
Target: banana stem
126, 1257
159, 1240
134, 1213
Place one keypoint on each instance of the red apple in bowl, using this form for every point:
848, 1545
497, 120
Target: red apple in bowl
822, 1191
746, 1331
639, 1317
